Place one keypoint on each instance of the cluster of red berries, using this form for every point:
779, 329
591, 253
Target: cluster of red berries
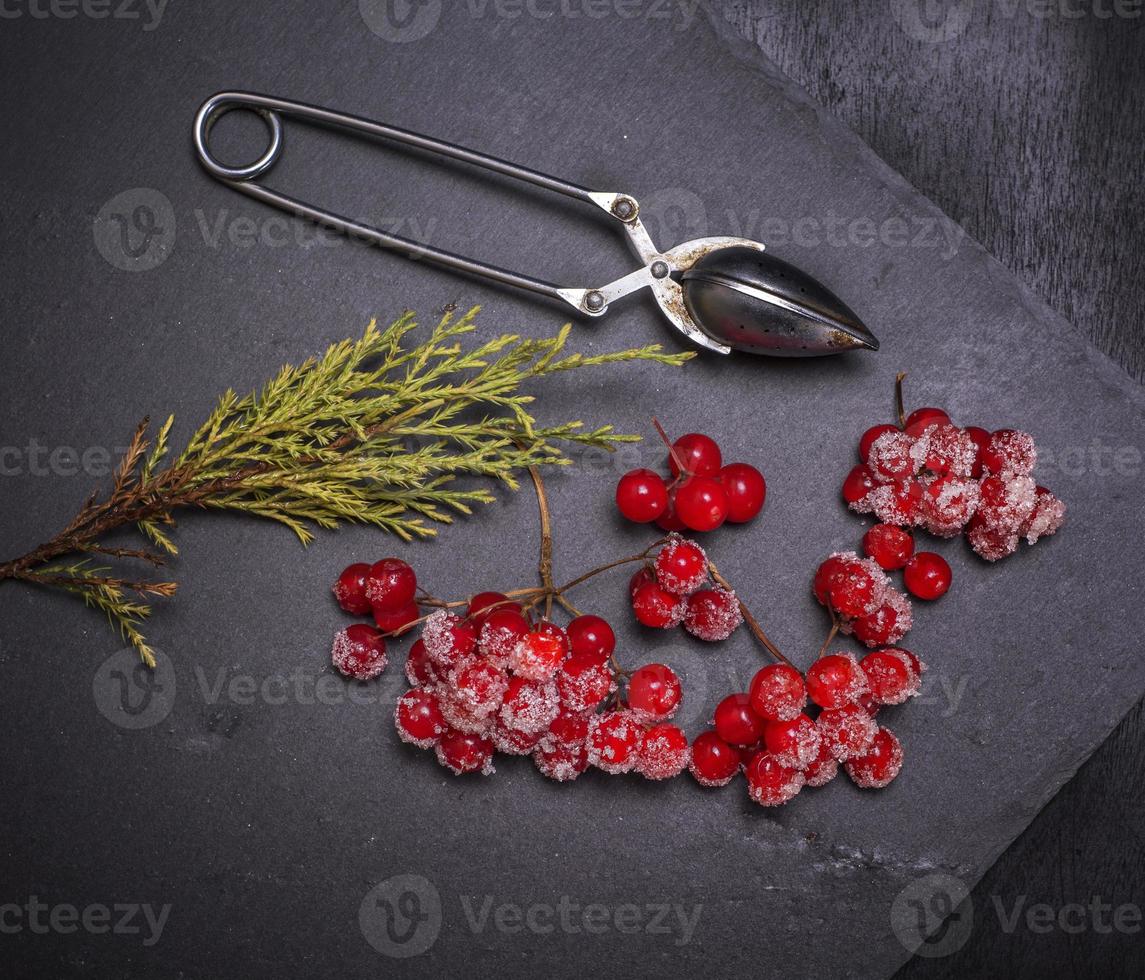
387, 590
703, 493
493, 681
781, 748
864, 603
949, 480
674, 589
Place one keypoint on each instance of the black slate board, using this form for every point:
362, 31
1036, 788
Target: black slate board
267, 825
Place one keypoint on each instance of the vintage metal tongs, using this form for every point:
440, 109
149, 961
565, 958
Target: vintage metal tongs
721, 292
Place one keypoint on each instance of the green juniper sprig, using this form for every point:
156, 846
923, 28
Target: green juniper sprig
372, 432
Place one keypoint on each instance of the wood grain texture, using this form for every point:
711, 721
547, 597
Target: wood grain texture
1027, 129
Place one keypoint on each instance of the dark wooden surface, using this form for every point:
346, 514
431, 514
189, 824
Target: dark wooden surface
1028, 130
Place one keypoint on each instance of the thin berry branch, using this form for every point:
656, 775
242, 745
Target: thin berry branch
900, 407
752, 622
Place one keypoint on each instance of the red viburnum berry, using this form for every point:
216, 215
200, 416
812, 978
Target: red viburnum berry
657, 607
1048, 515
981, 439
794, 743
562, 763
478, 686
778, 693
713, 762
858, 484
613, 741
700, 455
681, 566
654, 693
835, 680
875, 768
391, 585
886, 625
359, 652
448, 639
891, 458
1010, 453
591, 636
418, 718
712, 614
892, 675
508, 741
870, 436
701, 503
350, 590
529, 706
461, 753
746, 490
888, 545
583, 682
539, 653
419, 670
922, 419
770, 783
664, 752
641, 496
397, 620
736, 723
927, 576
501, 632
482, 605
848, 730
824, 768
850, 585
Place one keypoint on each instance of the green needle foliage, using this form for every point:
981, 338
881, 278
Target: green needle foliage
374, 431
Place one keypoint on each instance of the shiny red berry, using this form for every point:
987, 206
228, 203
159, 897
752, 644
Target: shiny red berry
848, 731
418, 718
670, 519
712, 614
824, 768
591, 636
654, 693
770, 782
461, 753
642, 496
664, 752
398, 619
927, 575
419, 670
657, 607
539, 654
794, 743
870, 436
500, 633
642, 577
890, 546
700, 455
350, 590
359, 652
701, 503
746, 490
893, 675
391, 585
613, 741
735, 721
981, 438
484, 603
859, 482
777, 692
681, 566
583, 682
875, 768
835, 680
922, 419
714, 762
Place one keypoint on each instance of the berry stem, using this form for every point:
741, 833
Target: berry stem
899, 407
752, 622
671, 449
831, 635
545, 564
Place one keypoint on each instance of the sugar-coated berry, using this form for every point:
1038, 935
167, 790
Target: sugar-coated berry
701, 503
1048, 515
448, 639
700, 455
461, 753
556, 633
419, 671
886, 625
641, 577
794, 743
824, 768
888, 545
538, 654
1010, 453
681, 566
529, 706
777, 693
859, 482
875, 768
990, 542
568, 728
891, 675
664, 752
870, 436
478, 686
927, 575
418, 718
848, 730
591, 636
735, 721
835, 680
770, 783
892, 457
350, 590
850, 585
359, 652
713, 762
613, 741
923, 418
746, 490
397, 620
947, 449
562, 763
947, 505
657, 607
484, 603
641, 495
712, 614
511, 742
460, 716
391, 585
654, 693
583, 682
981, 439
501, 632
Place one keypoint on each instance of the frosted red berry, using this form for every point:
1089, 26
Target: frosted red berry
835, 680
562, 763
448, 639
583, 682
888, 545
746, 491
568, 728
397, 620
888, 624
591, 636
511, 742
359, 652
848, 731
538, 654
529, 706
848, 584
1009, 453
713, 762
500, 633
700, 455
927, 575
681, 566
478, 686
657, 607
880, 764
418, 718
701, 503
777, 693
419, 671
350, 590
893, 675
923, 418
824, 768
613, 741
770, 783
663, 753
981, 439
461, 753
391, 585
735, 721
870, 436
859, 482
641, 577
654, 693
641, 496
485, 603
712, 614
1048, 515
794, 743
